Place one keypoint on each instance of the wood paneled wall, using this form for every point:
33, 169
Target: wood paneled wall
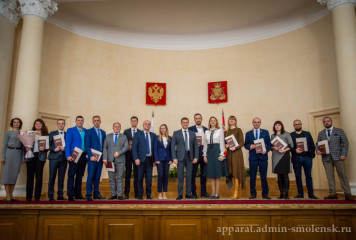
175, 223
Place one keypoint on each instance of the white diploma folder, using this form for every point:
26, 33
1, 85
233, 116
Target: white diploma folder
76, 154
96, 154
231, 140
59, 137
260, 142
304, 141
323, 147
46, 139
278, 142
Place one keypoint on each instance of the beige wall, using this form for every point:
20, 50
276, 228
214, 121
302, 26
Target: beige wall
280, 78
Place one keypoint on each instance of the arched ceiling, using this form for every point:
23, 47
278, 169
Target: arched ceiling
184, 24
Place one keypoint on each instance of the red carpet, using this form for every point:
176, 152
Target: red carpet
188, 202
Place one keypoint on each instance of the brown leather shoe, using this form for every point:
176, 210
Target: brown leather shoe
349, 197
334, 196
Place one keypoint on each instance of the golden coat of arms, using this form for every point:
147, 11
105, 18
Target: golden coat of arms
217, 93
155, 92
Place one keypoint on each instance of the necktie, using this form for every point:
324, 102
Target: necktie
148, 144
61, 132
256, 134
99, 135
211, 137
115, 138
133, 133
328, 132
186, 141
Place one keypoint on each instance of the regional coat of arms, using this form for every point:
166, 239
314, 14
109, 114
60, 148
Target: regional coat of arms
217, 92
156, 93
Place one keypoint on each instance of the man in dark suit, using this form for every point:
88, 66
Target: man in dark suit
129, 164
338, 147
199, 128
302, 158
258, 160
57, 163
143, 148
185, 153
94, 140
75, 138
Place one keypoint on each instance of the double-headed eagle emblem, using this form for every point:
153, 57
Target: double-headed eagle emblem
156, 93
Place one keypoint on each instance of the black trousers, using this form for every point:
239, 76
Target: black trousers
128, 168
34, 167
60, 166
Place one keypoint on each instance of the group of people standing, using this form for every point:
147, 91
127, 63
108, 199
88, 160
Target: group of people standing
141, 150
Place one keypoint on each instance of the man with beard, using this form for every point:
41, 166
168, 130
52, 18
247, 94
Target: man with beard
338, 147
199, 128
302, 157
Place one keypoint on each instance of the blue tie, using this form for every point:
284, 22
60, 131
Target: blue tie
256, 134
186, 141
115, 138
328, 132
99, 135
133, 133
148, 144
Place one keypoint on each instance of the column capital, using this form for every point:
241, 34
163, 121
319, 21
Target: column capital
336, 3
10, 10
40, 8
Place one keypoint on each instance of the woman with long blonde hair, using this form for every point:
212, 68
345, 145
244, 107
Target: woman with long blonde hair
234, 156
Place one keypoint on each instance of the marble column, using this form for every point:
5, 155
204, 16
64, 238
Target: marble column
344, 26
27, 82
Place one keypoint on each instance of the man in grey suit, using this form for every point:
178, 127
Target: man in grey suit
338, 147
115, 146
185, 153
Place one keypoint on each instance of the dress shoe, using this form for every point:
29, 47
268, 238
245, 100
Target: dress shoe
180, 197
266, 197
188, 196
160, 198
61, 198
149, 198
120, 198
195, 196
205, 195
349, 197
51, 199
281, 196
112, 198
14, 200
312, 196
211, 197
165, 198
252, 197
79, 197
216, 197
71, 199
37, 199
99, 197
89, 198
333, 196
28, 199
139, 198
299, 196
127, 196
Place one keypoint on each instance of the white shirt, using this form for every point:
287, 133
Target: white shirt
183, 131
218, 137
60, 132
200, 129
149, 142
132, 130
258, 132
165, 142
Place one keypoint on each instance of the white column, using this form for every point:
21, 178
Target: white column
27, 83
344, 26
9, 17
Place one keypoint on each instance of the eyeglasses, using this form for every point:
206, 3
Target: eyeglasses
298, 124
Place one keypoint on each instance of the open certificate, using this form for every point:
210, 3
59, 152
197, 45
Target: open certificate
200, 138
323, 147
59, 140
77, 152
231, 141
279, 143
110, 167
96, 154
302, 144
43, 142
260, 145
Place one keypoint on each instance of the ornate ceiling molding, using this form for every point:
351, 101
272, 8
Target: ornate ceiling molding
10, 10
335, 3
